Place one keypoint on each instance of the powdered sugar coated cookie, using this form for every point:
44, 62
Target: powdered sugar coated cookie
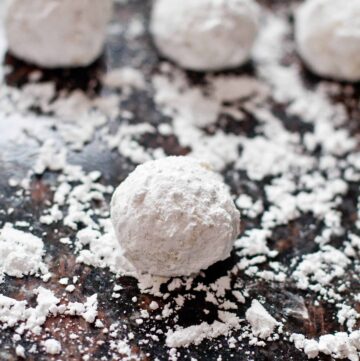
328, 37
174, 217
205, 34
57, 33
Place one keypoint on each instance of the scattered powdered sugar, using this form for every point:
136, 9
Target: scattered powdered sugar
320, 268
102, 250
88, 310
13, 312
297, 174
17, 313
196, 334
340, 345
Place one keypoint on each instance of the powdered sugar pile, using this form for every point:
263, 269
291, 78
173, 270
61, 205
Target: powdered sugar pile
21, 254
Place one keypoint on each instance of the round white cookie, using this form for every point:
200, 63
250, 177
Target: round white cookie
205, 34
328, 37
174, 217
57, 33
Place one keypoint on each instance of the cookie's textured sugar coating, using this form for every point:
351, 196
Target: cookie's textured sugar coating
205, 34
328, 37
57, 33
174, 217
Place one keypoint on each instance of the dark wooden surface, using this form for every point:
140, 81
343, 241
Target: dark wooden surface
295, 238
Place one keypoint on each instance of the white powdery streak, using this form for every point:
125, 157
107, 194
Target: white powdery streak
283, 206
262, 157
317, 270
196, 334
230, 88
75, 116
276, 152
248, 207
50, 157
177, 98
126, 142
271, 47
315, 193
21, 253
340, 345
262, 323
191, 109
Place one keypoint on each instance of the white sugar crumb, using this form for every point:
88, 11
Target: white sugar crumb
20, 351
254, 242
52, 346
248, 207
320, 268
88, 310
21, 253
50, 158
154, 305
99, 324
196, 334
70, 288
64, 281
262, 323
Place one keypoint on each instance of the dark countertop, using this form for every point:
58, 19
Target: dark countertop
296, 238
